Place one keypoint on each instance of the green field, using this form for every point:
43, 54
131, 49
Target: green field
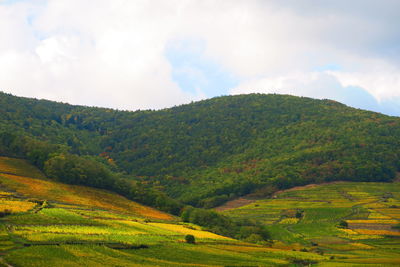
85, 231
369, 209
48, 223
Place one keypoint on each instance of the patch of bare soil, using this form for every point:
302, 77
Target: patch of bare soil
236, 203
296, 188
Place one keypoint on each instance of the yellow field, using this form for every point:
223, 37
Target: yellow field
184, 230
350, 246
289, 221
19, 167
16, 205
377, 232
376, 215
374, 221
75, 229
70, 194
78, 195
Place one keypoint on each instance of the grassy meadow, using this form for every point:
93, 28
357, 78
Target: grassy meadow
352, 223
45, 223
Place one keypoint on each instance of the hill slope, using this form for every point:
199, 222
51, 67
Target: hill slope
48, 223
209, 151
353, 222
20, 177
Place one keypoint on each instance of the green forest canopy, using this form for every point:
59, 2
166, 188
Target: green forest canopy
206, 152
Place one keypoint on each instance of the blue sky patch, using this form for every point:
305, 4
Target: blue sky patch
330, 66
193, 72
10, 2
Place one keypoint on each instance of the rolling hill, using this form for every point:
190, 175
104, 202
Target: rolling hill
45, 223
356, 223
77, 183
208, 152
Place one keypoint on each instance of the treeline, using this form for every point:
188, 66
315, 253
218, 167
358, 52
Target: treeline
247, 230
58, 164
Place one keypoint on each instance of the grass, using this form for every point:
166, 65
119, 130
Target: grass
78, 195
69, 241
370, 209
58, 224
15, 205
80, 226
182, 229
19, 167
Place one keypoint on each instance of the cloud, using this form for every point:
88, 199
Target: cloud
131, 54
89, 54
322, 85
380, 80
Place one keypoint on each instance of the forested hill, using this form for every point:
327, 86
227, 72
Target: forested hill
206, 152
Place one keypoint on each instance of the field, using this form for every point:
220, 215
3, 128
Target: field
14, 175
45, 223
354, 223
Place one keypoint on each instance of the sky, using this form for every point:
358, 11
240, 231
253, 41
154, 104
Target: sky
152, 54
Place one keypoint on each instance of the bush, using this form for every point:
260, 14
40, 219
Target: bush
223, 225
299, 214
343, 224
303, 262
254, 238
190, 239
5, 213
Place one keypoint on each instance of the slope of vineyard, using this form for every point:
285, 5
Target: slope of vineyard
351, 222
44, 223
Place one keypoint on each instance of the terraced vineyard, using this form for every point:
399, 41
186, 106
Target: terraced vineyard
353, 223
45, 223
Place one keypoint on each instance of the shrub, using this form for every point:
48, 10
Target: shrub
190, 239
5, 213
299, 214
223, 225
343, 224
254, 238
303, 262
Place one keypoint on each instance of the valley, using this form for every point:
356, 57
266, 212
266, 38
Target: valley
48, 223
53, 223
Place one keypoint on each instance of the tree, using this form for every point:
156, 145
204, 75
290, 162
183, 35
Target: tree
343, 224
190, 239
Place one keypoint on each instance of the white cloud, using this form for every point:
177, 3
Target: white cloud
381, 82
112, 53
93, 53
310, 84
322, 85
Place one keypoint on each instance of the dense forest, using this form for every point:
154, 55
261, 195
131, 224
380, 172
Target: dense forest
202, 153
